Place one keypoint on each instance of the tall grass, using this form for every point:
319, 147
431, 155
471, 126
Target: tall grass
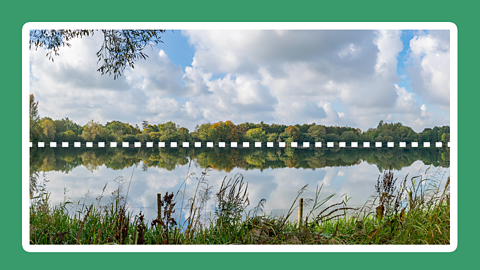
412, 211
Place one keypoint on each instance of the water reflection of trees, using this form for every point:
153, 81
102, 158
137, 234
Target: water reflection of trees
226, 159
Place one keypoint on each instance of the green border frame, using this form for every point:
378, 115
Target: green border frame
15, 15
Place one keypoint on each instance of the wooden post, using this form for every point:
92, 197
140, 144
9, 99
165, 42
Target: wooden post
300, 211
159, 206
410, 201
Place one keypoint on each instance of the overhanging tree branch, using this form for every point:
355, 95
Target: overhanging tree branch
119, 48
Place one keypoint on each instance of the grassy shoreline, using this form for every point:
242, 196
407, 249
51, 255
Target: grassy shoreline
402, 212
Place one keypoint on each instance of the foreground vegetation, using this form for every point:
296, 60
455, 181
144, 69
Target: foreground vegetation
411, 211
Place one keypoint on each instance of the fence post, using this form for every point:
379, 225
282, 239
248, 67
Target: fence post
411, 204
159, 206
300, 211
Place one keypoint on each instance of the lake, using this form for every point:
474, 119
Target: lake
274, 174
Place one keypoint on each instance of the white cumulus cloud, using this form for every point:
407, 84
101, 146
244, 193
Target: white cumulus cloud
337, 77
430, 67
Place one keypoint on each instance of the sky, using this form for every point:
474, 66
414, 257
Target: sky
331, 77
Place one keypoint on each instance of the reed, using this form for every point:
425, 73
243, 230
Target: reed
387, 218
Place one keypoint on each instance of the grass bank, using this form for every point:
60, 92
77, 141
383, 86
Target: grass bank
414, 210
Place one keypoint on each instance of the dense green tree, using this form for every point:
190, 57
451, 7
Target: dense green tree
144, 124
364, 137
263, 126
67, 130
412, 137
94, 132
401, 134
130, 138
150, 128
428, 135
256, 135
385, 136
34, 115
36, 134
276, 128
445, 138
118, 130
305, 127
317, 133
183, 135
69, 136
332, 137
168, 127
273, 137
48, 127
155, 136
35, 129
143, 137
203, 132
349, 136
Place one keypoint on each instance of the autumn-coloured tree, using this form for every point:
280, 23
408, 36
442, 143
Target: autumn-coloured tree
89, 131
223, 132
231, 132
242, 131
293, 132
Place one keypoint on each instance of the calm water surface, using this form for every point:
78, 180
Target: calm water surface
273, 174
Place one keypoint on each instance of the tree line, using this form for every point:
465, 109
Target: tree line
65, 130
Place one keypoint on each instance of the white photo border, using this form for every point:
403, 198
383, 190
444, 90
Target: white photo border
244, 26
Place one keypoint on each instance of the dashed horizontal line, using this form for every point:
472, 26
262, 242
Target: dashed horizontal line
241, 145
